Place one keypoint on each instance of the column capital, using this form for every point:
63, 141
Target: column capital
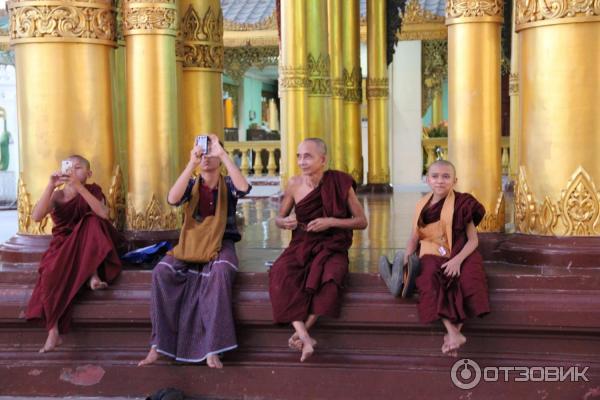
149, 17
541, 12
203, 39
465, 11
39, 21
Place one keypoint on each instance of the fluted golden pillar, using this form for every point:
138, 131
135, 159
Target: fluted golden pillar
293, 84
377, 95
474, 102
353, 88
202, 97
437, 107
337, 156
150, 30
228, 106
184, 146
318, 63
559, 91
63, 69
513, 91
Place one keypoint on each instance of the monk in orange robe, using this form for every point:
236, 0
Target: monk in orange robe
452, 285
306, 280
82, 249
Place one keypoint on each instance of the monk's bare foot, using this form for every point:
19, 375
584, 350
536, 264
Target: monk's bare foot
213, 361
96, 283
446, 348
307, 347
52, 342
455, 341
294, 342
150, 358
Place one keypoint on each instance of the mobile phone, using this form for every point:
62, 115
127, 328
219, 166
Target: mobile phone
66, 166
202, 142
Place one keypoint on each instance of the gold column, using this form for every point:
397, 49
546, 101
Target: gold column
150, 30
437, 110
228, 105
353, 90
63, 52
559, 89
202, 97
293, 84
318, 63
377, 93
337, 156
273, 116
184, 147
474, 102
513, 91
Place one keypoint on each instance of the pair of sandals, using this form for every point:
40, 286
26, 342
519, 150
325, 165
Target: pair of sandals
399, 278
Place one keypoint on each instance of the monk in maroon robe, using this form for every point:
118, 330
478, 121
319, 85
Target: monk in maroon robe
82, 248
306, 280
452, 285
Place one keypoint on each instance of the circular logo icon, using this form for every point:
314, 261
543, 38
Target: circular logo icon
465, 374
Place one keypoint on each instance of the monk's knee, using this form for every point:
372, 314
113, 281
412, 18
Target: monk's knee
223, 271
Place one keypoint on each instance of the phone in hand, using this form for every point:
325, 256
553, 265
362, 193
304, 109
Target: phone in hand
66, 166
202, 141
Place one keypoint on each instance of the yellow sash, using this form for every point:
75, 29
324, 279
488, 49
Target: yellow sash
200, 242
435, 238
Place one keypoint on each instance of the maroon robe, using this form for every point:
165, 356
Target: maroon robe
456, 298
82, 243
308, 276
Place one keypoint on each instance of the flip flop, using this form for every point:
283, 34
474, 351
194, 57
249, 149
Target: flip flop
410, 272
392, 273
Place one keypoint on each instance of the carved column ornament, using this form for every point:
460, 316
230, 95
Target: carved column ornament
146, 17
203, 40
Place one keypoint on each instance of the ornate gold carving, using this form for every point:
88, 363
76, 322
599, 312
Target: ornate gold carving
24, 208
149, 17
531, 11
153, 218
494, 221
319, 75
414, 13
434, 66
115, 201
377, 88
239, 59
203, 39
293, 77
268, 23
513, 84
577, 210
42, 21
337, 88
474, 8
352, 85
268, 38
579, 205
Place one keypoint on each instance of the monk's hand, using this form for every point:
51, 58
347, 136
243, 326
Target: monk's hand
56, 179
319, 225
73, 180
214, 148
289, 222
451, 267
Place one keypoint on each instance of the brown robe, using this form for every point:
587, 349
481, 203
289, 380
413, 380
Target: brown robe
308, 276
82, 243
456, 298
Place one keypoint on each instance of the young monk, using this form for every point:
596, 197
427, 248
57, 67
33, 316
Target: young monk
191, 305
82, 248
452, 285
306, 280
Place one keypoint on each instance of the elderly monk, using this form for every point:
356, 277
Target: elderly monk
305, 282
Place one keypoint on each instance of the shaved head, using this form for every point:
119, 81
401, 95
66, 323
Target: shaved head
442, 163
82, 160
321, 146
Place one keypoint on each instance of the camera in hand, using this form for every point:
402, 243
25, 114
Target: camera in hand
202, 141
66, 166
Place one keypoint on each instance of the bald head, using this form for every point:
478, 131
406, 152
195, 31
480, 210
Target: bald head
319, 143
442, 163
82, 160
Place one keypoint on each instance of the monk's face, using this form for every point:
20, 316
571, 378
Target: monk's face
441, 179
80, 170
310, 159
